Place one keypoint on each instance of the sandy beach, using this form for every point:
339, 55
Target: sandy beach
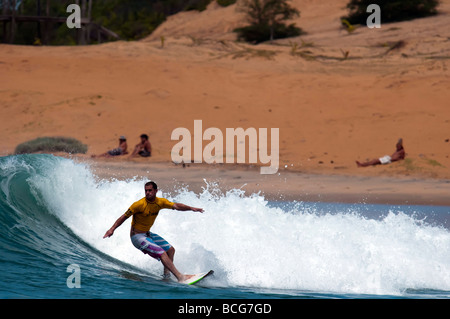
285, 185
336, 97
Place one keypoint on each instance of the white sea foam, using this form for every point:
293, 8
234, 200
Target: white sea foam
251, 243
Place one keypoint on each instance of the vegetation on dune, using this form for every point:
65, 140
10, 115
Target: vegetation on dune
266, 20
130, 19
52, 144
226, 3
136, 19
391, 10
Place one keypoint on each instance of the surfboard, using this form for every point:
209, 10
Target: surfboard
196, 278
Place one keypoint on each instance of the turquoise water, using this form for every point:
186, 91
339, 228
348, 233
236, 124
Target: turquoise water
54, 213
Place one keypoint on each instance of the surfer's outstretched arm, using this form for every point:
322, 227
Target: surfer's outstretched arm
118, 222
183, 207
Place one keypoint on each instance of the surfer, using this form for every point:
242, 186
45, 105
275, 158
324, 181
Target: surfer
399, 154
144, 213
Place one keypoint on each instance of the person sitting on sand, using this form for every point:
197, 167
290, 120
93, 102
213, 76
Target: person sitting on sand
144, 148
399, 154
121, 150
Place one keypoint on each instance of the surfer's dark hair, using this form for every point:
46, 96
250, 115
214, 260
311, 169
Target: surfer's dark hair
151, 183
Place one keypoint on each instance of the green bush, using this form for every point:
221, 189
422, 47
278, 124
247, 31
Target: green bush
199, 5
391, 10
266, 20
52, 144
130, 19
225, 3
260, 33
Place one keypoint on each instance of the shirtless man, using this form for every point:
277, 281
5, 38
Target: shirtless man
144, 213
144, 148
399, 154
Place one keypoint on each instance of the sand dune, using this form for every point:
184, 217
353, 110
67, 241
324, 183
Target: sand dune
335, 97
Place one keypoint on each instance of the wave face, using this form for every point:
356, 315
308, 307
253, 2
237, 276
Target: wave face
54, 213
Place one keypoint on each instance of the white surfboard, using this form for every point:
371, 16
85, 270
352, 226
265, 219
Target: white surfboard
196, 278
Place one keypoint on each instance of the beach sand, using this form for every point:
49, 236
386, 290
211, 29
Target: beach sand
284, 186
335, 96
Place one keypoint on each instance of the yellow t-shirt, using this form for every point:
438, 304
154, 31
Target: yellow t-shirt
144, 213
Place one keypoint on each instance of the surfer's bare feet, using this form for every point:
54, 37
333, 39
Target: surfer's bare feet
185, 277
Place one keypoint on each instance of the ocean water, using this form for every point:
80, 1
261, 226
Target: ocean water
54, 212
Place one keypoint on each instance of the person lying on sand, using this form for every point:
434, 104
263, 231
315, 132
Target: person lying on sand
144, 148
399, 154
121, 150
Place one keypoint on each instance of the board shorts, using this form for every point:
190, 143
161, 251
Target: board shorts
151, 244
385, 159
115, 152
145, 153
